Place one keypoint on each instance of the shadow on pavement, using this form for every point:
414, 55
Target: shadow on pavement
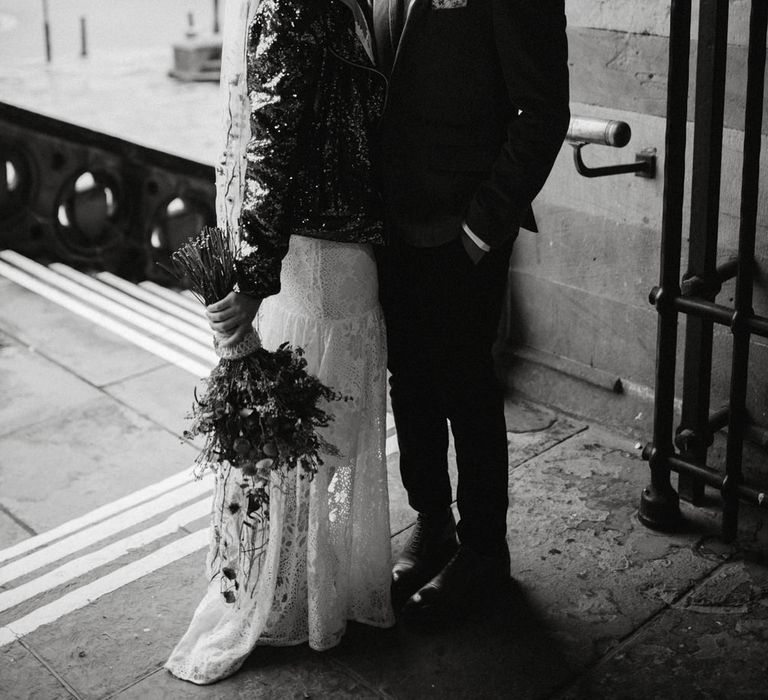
504, 650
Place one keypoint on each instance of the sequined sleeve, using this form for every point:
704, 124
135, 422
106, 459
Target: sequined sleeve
284, 53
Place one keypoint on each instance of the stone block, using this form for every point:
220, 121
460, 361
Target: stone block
36, 389
710, 644
164, 395
23, 677
98, 452
87, 350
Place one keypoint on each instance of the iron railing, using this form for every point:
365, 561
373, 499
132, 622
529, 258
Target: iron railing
92, 200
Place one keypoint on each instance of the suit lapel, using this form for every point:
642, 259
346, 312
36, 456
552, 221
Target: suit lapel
414, 10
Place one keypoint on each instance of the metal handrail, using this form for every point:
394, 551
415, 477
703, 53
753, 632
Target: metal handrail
583, 131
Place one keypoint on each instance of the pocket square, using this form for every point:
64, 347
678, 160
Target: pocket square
448, 4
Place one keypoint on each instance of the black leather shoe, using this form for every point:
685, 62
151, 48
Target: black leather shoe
465, 583
430, 546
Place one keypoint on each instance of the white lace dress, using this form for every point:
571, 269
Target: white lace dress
327, 553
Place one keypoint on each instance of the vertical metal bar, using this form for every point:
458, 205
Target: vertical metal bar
659, 503
47, 31
750, 178
705, 211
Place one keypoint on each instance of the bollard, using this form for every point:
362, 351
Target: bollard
47, 31
191, 33
83, 39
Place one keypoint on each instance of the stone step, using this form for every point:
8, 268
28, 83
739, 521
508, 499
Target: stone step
140, 315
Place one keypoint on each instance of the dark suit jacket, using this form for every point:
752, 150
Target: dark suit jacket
476, 113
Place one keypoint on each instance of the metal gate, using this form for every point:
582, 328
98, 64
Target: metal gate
685, 450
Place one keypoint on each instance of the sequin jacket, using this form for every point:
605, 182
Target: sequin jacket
316, 101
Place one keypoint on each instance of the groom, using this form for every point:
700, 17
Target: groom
476, 113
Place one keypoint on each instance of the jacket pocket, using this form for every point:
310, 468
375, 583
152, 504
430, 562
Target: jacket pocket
462, 158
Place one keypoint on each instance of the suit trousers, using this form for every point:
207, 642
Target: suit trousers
442, 313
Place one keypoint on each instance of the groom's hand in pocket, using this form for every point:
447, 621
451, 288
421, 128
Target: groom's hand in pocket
231, 318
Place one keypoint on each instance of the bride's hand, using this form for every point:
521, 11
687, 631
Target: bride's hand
231, 318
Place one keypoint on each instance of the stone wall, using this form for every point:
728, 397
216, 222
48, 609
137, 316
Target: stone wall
578, 303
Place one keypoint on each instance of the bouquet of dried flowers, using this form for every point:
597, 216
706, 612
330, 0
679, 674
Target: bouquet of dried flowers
260, 410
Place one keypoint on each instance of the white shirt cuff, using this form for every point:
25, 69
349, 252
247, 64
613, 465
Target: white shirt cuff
480, 244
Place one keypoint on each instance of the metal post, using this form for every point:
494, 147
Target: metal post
702, 252
659, 503
83, 39
47, 31
753, 114
216, 27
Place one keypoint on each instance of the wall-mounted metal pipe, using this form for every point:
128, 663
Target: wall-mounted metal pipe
583, 131
603, 132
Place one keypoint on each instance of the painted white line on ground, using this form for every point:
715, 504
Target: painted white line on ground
91, 592
163, 301
121, 504
89, 562
204, 337
103, 530
168, 336
101, 513
177, 298
27, 281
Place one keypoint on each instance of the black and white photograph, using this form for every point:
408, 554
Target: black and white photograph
388, 349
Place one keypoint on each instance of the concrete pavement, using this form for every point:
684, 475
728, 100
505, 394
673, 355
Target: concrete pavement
102, 548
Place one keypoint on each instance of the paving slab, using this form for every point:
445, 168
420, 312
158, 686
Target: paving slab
36, 389
585, 573
118, 644
289, 673
11, 530
23, 677
88, 576
505, 650
89, 351
94, 454
531, 430
711, 644
164, 395
578, 549
121, 637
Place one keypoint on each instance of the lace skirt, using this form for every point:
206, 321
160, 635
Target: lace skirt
327, 552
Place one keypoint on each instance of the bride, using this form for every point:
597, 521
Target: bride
302, 100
